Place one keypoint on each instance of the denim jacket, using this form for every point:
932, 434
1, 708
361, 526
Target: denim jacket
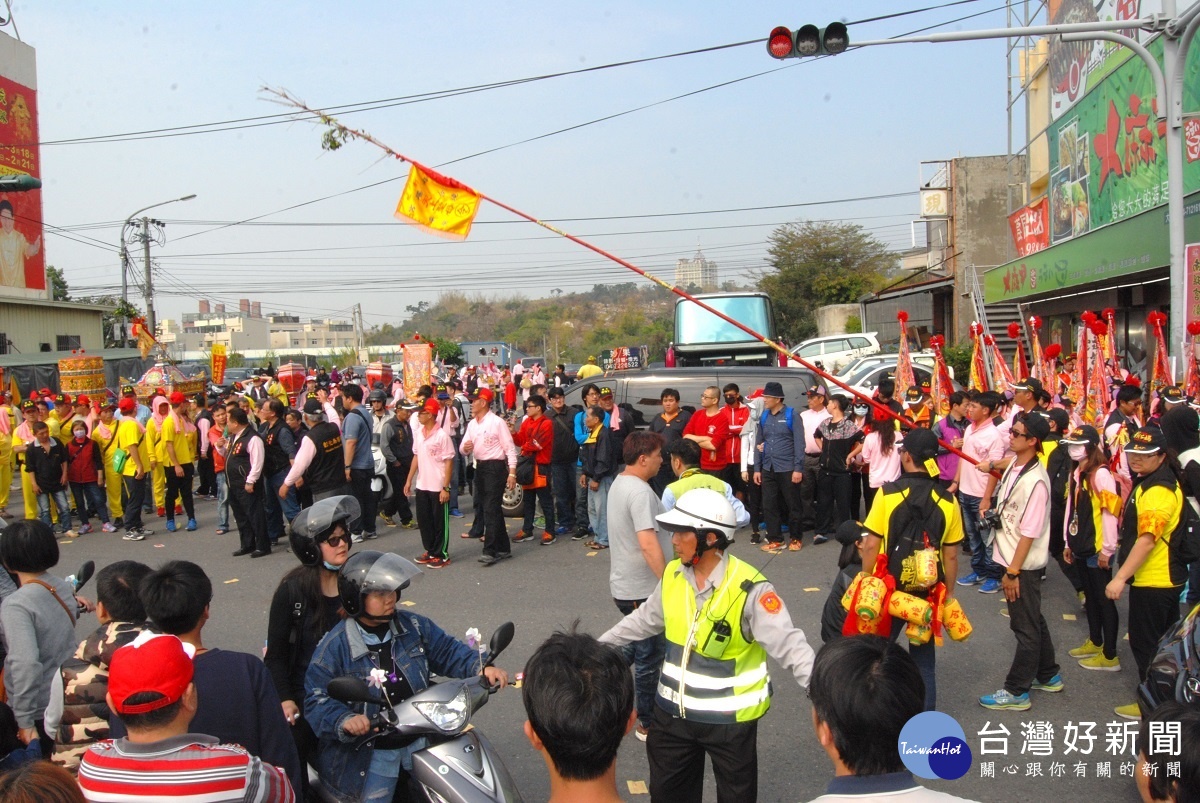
418, 647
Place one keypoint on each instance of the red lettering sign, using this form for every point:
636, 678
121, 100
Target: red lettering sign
1029, 228
1191, 139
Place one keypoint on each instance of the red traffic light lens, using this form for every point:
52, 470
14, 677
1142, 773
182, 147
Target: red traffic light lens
808, 41
779, 43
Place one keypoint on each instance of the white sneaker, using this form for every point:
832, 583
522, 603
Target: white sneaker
133, 535
356, 538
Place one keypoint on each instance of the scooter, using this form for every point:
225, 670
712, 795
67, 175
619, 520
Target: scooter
460, 765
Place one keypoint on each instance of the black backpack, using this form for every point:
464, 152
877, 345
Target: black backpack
909, 531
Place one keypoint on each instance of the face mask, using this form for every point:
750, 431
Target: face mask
861, 410
81, 434
731, 399
1077, 453
330, 566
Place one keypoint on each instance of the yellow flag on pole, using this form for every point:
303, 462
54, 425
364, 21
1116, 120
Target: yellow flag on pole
437, 204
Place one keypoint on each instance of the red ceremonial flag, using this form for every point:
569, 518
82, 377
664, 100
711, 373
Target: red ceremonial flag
1191, 374
1002, 378
979, 377
1160, 373
1035, 323
1020, 365
940, 387
1096, 397
904, 371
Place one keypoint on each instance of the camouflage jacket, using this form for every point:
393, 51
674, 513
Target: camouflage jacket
85, 682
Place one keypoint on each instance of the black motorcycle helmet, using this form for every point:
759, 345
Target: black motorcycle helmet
316, 523
365, 572
1174, 673
377, 395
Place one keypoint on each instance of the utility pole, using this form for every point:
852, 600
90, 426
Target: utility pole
125, 266
148, 279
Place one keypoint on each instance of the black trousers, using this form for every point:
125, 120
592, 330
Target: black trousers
251, 516
368, 500
208, 477
676, 749
431, 518
781, 497
833, 505
180, 488
490, 478
1152, 611
133, 494
754, 503
1101, 611
808, 491
398, 503
1034, 659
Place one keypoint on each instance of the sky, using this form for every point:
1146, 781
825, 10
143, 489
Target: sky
652, 184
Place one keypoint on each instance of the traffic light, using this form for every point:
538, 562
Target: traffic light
808, 40
19, 182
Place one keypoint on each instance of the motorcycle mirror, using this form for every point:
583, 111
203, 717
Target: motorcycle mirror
501, 638
350, 689
84, 574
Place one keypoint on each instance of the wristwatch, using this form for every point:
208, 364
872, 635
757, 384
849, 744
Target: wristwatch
1012, 576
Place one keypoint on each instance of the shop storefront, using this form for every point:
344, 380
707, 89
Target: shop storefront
1095, 236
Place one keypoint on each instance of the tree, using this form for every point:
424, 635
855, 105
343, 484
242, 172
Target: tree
58, 284
121, 314
819, 263
448, 350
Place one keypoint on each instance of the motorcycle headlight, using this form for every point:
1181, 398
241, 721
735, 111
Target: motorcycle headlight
449, 716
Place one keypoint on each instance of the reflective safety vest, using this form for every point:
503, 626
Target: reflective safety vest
711, 673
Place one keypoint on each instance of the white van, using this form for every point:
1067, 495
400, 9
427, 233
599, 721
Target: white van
834, 351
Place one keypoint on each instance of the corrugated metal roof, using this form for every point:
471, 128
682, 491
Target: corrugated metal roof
52, 357
66, 305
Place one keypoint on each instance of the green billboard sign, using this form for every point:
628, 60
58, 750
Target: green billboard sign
1133, 245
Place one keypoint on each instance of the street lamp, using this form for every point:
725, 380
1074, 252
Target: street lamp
125, 265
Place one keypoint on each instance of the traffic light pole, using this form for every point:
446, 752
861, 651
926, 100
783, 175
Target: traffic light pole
1168, 85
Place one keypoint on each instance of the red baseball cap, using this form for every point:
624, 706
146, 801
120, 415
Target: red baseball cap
485, 394
82, 399
127, 404
432, 407
150, 663
177, 398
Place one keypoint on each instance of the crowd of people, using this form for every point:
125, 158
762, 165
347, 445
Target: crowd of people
1017, 480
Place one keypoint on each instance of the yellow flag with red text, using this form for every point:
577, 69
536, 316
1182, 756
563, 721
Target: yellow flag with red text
438, 204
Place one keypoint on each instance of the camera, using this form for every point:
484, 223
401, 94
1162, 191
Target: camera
990, 520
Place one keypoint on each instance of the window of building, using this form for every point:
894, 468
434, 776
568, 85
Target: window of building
67, 342
3, 343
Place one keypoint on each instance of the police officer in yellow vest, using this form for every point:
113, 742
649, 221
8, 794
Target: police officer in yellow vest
721, 619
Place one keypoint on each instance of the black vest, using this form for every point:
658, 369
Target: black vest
328, 467
277, 458
237, 462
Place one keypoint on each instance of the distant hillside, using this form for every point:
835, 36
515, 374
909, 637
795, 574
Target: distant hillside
581, 324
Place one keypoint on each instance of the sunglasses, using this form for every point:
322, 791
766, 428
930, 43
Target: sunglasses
337, 540
1016, 434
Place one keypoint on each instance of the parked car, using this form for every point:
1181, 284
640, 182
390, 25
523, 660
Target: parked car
867, 378
638, 394
924, 358
834, 351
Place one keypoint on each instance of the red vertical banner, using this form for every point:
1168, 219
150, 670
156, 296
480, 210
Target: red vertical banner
22, 258
418, 367
1029, 228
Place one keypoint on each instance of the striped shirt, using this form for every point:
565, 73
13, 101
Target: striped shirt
191, 768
